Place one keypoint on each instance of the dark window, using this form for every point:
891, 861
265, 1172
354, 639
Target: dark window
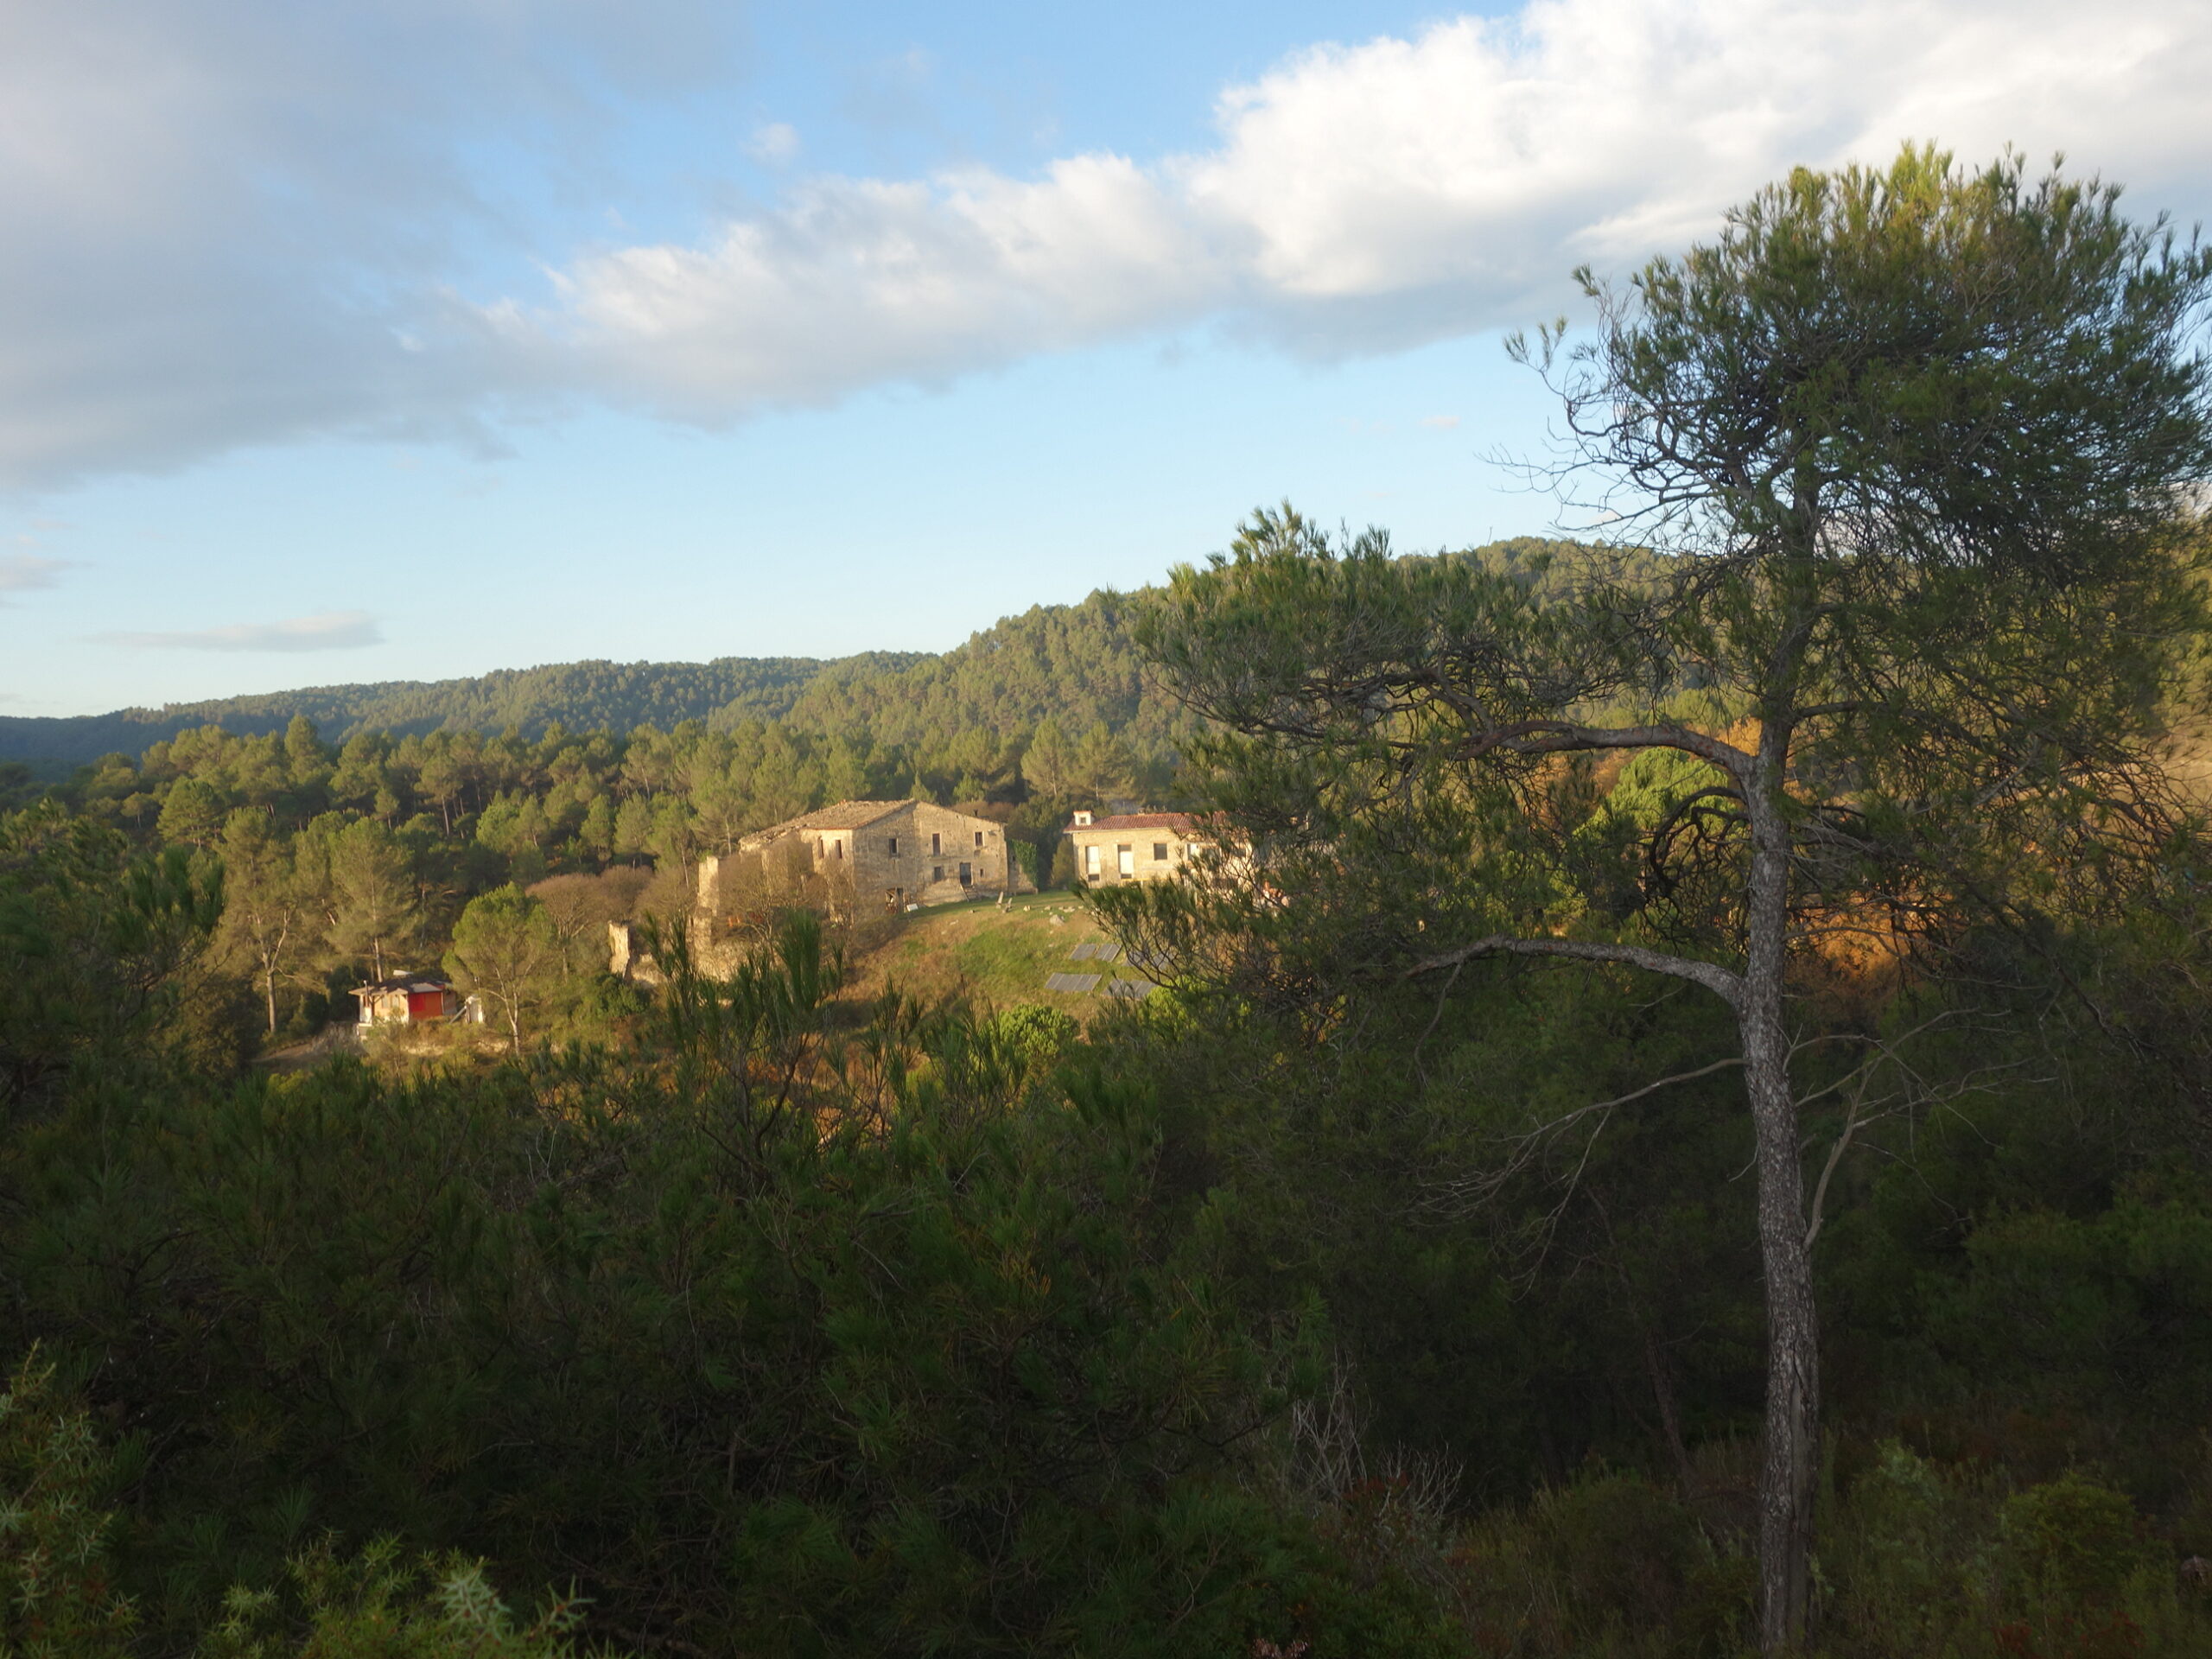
938, 874
894, 845
937, 844
967, 875
1159, 852
837, 847
979, 838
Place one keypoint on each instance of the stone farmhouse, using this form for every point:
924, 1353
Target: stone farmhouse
866, 855
1133, 846
853, 858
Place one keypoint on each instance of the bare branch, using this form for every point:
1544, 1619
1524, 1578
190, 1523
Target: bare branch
1852, 1119
1727, 986
1915, 1094
1472, 1192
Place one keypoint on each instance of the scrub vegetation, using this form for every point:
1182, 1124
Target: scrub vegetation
1676, 1121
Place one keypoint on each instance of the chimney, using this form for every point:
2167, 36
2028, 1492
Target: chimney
1082, 819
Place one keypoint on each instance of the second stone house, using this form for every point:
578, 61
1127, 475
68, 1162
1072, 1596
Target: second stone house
1132, 846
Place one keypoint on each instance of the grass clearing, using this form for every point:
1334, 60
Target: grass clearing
993, 956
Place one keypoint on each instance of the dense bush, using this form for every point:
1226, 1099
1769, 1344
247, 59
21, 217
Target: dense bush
777, 1338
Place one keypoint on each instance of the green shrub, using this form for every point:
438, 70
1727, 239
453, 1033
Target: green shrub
2073, 1543
57, 1594
380, 1605
1623, 1548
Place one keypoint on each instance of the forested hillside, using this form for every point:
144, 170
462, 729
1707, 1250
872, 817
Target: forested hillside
1044, 679
1029, 689
583, 697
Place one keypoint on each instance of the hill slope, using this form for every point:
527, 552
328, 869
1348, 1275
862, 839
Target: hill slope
1067, 675
583, 697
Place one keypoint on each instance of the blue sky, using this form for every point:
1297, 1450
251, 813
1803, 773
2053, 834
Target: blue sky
353, 342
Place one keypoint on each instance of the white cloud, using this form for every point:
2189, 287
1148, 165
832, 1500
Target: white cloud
224, 220
775, 143
861, 280
1441, 423
329, 631
22, 572
1374, 196
247, 222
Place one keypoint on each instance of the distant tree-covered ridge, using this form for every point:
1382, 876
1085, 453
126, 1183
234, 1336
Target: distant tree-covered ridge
1051, 674
583, 697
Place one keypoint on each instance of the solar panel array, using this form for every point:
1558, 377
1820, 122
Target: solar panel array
1099, 950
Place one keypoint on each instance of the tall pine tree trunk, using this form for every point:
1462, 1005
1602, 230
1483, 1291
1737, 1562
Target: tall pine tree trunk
1790, 1465
269, 958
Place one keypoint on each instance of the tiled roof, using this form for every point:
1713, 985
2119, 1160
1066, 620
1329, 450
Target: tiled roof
404, 982
846, 815
1138, 821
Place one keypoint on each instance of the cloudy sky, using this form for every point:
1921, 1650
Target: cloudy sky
359, 340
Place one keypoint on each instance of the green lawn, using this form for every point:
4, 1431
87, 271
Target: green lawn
996, 958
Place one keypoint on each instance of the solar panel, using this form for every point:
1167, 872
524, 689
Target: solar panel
1085, 951
1076, 982
1135, 989
1107, 952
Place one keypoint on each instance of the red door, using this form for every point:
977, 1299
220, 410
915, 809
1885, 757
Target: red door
425, 1005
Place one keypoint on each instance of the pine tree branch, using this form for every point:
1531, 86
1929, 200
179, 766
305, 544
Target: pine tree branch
1727, 986
1569, 737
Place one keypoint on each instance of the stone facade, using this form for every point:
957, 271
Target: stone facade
856, 858
627, 957
864, 856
